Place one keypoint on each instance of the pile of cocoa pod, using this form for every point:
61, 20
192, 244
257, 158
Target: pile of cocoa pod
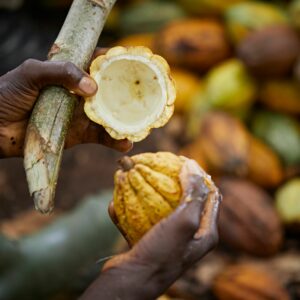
237, 68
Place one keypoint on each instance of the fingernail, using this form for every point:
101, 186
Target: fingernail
88, 85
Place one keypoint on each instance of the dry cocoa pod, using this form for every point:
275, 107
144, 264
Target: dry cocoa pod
271, 51
197, 44
248, 282
281, 95
264, 165
248, 220
150, 186
225, 143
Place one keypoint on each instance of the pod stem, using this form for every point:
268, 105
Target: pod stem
126, 163
54, 109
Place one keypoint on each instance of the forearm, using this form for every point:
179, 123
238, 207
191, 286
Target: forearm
110, 285
129, 283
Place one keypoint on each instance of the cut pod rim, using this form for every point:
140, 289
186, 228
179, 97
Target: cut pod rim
133, 83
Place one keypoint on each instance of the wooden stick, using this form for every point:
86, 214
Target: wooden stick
54, 109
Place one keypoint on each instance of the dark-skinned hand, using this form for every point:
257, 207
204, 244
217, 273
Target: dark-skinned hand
164, 253
20, 88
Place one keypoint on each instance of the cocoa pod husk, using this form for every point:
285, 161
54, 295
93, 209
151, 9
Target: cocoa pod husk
225, 144
264, 165
270, 52
196, 44
248, 281
248, 220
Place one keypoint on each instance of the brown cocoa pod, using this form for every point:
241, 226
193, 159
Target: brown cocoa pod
225, 144
270, 52
264, 165
197, 44
281, 95
248, 282
248, 220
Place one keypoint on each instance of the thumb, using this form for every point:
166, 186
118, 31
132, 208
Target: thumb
39, 74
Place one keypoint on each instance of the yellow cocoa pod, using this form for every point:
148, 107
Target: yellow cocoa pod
187, 85
150, 186
139, 39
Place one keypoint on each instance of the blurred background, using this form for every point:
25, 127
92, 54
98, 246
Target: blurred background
237, 68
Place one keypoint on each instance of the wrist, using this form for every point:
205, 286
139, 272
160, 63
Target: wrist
125, 282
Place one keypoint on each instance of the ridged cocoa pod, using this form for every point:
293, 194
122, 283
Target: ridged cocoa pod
197, 44
149, 186
271, 51
281, 95
248, 220
264, 165
225, 144
248, 282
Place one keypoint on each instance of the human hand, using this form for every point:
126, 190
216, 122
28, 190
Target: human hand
164, 253
19, 90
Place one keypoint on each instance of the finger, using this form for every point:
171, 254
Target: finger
97, 134
113, 216
209, 220
105, 139
192, 179
168, 239
206, 238
40, 74
84, 131
99, 51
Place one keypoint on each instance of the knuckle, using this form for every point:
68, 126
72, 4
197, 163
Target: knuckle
29, 63
72, 74
69, 68
28, 72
